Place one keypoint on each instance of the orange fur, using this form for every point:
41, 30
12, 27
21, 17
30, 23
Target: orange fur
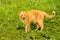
35, 16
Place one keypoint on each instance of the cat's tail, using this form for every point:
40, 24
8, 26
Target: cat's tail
50, 16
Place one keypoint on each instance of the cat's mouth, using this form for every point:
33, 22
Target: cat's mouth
23, 18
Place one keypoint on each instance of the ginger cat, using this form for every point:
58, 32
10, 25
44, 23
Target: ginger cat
35, 16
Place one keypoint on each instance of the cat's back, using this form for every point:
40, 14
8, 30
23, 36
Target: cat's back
35, 12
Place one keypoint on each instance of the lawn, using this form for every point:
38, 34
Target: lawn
12, 28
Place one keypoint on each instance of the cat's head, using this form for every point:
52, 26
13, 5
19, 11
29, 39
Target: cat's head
21, 15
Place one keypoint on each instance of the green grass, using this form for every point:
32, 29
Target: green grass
11, 27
